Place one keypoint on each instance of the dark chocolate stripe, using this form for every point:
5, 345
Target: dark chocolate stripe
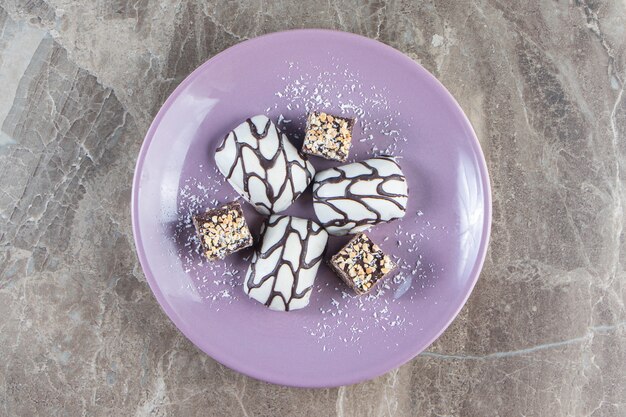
255, 132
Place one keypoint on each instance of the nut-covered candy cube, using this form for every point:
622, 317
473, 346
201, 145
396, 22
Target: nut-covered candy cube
222, 231
328, 136
361, 264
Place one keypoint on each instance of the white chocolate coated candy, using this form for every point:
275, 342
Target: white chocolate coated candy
263, 166
352, 198
282, 272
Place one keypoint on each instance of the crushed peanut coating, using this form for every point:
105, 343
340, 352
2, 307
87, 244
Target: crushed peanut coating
361, 264
222, 231
328, 136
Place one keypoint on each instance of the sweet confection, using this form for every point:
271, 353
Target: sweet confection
351, 198
361, 264
222, 231
282, 271
328, 136
263, 166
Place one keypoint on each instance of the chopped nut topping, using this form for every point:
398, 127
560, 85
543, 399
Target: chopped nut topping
328, 136
223, 231
361, 264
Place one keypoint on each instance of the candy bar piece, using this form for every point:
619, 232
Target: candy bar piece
328, 136
282, 272
361, 264
352, 198
222, 231
263, 166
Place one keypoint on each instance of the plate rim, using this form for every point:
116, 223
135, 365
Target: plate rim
340, 380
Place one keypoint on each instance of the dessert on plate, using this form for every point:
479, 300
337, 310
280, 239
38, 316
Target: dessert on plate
263, 166
361, 264
352, 198
222, 231
283, 270
328, 136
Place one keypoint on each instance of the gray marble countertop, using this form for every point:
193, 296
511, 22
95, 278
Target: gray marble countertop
544, 332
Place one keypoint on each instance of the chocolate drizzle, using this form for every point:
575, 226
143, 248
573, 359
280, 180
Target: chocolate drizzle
343, 211
263, 166
282, 272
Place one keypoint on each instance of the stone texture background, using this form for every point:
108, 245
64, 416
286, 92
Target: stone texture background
544, 333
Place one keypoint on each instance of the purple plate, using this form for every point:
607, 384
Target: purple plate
440, 244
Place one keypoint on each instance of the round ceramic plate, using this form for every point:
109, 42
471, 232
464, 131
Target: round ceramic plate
440, 244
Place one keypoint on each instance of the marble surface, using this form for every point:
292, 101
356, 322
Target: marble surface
543, 334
